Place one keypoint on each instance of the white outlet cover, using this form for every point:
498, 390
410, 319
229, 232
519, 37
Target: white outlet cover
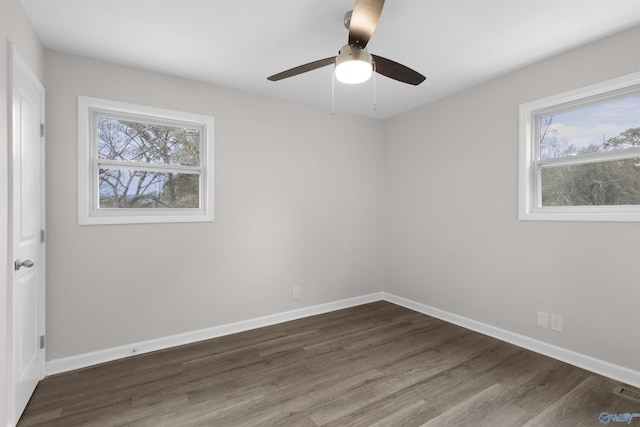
543, 320
556, 322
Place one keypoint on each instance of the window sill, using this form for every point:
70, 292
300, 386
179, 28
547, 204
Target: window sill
591, 213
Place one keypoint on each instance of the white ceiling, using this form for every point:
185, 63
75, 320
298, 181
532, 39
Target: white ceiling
238, 43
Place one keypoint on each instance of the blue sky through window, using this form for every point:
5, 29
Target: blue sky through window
586, 126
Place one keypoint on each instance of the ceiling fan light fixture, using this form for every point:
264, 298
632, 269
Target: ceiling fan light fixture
353, 65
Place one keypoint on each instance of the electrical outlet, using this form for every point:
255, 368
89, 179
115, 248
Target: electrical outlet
543, 320
295, 292
556, 322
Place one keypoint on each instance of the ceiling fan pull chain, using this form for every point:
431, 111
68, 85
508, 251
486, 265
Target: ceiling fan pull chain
374, 85
333, 94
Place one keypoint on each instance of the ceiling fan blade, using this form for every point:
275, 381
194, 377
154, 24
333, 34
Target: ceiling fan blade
397, 71
364, 20
302, 69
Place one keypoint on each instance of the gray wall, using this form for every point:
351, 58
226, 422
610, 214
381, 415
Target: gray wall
15, 27
453, 240
423, 205
298, 202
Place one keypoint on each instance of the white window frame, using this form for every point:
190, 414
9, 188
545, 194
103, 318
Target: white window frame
89, 212
530, 165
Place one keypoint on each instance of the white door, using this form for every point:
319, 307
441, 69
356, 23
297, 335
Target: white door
26, 232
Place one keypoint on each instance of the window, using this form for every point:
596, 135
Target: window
580, 154
139, 164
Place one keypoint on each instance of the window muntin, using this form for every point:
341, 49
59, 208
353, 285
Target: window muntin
142, 164
580, 154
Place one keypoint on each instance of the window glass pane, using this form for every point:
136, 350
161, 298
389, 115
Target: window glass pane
606, 126
615, 182
144, 189
147, 143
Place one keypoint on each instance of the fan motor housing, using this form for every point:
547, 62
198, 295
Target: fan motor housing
352, 53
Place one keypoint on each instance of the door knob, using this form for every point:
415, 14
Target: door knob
26, 263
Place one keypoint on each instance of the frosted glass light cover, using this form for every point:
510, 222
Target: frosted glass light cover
353, 72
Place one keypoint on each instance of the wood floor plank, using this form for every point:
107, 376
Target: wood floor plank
442, 389
492, 406
376, 364
583, 405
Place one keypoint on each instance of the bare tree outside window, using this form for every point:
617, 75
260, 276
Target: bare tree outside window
580, 133
145, 165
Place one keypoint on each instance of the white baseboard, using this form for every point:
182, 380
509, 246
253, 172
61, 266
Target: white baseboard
70, 363
617, 372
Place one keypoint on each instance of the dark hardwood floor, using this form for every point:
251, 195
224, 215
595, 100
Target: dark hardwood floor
372, 365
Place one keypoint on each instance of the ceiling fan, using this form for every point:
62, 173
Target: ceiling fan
354, 64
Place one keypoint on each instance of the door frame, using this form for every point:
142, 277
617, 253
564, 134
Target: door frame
15, 60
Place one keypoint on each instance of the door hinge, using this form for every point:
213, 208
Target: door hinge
41, 341
41, 129
42, 233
